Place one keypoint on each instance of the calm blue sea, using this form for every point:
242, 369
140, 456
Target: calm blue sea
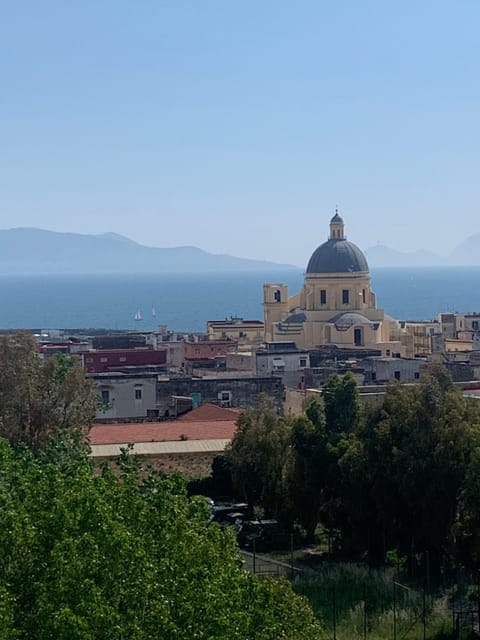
187, 301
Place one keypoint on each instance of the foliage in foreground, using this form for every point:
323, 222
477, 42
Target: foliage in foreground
94, 556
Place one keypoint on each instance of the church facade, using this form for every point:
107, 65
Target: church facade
336, 305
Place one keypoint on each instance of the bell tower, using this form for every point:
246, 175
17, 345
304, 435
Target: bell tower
275, 306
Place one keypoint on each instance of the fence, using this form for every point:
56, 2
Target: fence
264, 566
356, 603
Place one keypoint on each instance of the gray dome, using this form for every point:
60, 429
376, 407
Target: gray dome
337, 255
343, 321
295, 318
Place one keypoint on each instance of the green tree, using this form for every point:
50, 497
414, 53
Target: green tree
309, 462
109, 556
258, 455
342, 407
41, 397
418, 448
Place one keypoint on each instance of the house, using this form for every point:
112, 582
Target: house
187, 444
235, 328
103, 360
283, 359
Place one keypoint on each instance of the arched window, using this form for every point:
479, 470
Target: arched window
277, 296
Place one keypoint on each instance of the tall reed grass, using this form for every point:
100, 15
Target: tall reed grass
362, 603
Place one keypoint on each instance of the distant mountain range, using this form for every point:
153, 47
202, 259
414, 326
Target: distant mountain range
28, 250
467, 253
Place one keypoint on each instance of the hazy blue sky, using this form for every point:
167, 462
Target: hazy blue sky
237, 126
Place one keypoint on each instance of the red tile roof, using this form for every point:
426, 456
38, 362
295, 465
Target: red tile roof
208, 422
209, 412
161, 431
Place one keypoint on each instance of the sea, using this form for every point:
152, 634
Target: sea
185, 301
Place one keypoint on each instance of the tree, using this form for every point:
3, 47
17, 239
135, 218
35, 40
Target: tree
109, 556
41, 397
257, 457
342, 408
309, 462
417, 448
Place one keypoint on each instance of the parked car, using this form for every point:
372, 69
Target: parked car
264, 535
222, 513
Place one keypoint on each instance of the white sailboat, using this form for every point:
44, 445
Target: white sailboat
138, 315
154, 312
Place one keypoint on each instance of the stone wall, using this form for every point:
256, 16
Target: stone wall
238, 392
191, 465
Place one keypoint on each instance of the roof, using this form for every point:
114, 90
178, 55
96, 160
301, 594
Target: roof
161, 448
337, 255
236, 322
295, 318
207, 422
170, 431
344, 321
210, 413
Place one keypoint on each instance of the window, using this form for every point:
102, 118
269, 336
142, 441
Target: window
323, 296
364, 296
387, 352
277, 296
416, 375
225, 398
303, 362
138, 394
396, 375
122, 359
278, 363
345, 296
103, 359
357, 337
475, 325
105, 396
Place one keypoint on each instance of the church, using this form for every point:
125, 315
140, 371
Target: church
336, 305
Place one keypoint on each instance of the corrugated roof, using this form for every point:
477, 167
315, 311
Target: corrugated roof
161, 448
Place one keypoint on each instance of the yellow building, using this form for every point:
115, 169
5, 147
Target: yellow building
420, 334
243, 331
336, 305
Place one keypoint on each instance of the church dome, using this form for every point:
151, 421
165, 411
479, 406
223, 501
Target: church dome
337, 255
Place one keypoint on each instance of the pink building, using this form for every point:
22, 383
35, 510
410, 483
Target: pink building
207, 349
110, 359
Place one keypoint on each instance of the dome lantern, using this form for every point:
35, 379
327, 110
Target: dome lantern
337, 227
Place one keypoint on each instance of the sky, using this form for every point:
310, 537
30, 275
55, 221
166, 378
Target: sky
238, 127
